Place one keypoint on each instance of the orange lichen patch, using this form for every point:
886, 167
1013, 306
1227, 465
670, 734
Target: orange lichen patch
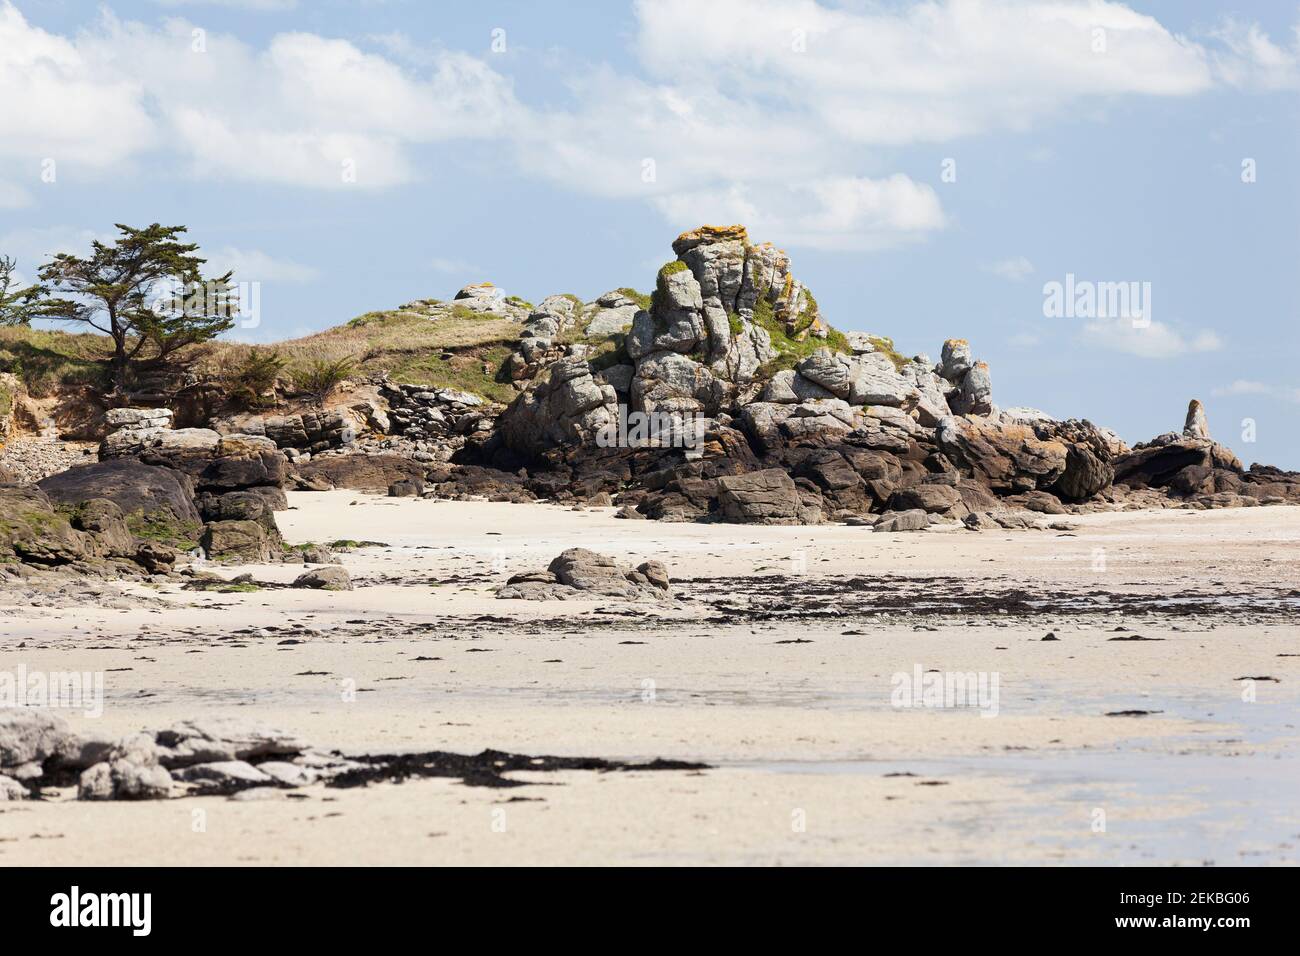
696, 237
956, 342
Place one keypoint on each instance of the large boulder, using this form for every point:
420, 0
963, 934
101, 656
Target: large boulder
763, 497
325, 579
29, 736
361, 472
614, 313
669, 382
136, 488
564, 406
238, 542
675, 321
858, 379
1007, 457
582, 574
129, 771
32, 532
214, 739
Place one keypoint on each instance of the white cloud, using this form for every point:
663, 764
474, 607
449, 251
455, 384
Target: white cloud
838, 213
731, 113
292, 113
1247, 387
58, 105
1250, 59
1155, 340
1016, 269
253, 265
726, 108
923, 73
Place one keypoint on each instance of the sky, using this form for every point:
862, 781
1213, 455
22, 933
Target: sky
931, 168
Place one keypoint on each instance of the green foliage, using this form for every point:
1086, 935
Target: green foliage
319, 379
670, 269
885, 346
640, 298
734, 321
790, 350
146, 291
248, 382
165, 529
521, 303
17, 306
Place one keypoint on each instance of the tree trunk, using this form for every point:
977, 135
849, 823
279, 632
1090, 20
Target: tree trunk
119, 353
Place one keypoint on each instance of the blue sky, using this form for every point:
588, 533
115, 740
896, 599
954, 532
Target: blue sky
509, 141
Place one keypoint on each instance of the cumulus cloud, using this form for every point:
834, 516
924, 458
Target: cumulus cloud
306, 110
58, 104
924, 73
839, 213
785, 110
1155, 340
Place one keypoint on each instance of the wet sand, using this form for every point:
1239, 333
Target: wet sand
775, 666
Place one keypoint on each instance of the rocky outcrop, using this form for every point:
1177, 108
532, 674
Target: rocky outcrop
309, 432
89, 537
38, 751
438, 422
236, 479
1190, 465
157, 495
357, 472
767, 497
565, 406
580, 574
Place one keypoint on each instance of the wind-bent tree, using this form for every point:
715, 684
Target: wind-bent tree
146, 291
17, 306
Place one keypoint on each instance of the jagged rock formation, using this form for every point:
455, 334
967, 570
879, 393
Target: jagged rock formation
748, 406
732, 341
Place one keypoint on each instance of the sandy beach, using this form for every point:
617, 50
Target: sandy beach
1158, 727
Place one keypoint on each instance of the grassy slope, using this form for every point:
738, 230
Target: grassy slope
410, 348
463, 350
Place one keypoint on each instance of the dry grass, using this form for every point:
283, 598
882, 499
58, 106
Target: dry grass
464, 350
461, 349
